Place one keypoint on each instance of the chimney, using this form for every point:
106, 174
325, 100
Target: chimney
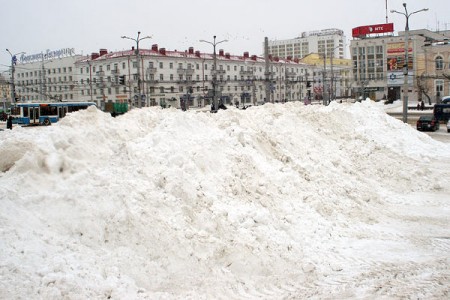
162, 51
246, 55
254, 57
132, 48
191, 50
289, 58
155, 47
221, 52
94, 55
103, 52
197, 53
227, 55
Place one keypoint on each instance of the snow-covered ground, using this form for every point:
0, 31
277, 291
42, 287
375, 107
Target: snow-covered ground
281, 201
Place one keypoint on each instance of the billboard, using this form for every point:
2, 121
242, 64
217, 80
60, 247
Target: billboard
372, 29
396, 56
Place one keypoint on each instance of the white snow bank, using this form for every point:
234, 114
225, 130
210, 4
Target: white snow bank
277, 201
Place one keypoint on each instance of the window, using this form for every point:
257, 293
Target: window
439, 62
161, 65
439, 87
161, 77
170, 66
124, 66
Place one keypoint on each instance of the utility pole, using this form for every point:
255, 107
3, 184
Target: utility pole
405, 66
215, 106
324, 98
267, 68
137, 40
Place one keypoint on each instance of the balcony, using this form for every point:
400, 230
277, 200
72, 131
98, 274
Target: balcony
188, 71
150, 70
246, 73
115, 72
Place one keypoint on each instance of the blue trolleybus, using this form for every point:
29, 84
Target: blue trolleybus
44, 113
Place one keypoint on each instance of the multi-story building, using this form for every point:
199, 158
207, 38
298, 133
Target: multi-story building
325, 42
378, 65
174, 78
170, 78
334, 72
5, 92
46, 76
434, 79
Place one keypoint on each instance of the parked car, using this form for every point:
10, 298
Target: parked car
446, 99
448, 126
427, 123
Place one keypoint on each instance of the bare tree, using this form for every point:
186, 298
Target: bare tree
421, 83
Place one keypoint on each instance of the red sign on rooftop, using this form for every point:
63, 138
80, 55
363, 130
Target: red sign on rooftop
372, 29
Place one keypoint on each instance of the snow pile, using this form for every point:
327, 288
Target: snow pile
277, 201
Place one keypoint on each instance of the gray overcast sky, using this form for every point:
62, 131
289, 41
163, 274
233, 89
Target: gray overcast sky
34, 26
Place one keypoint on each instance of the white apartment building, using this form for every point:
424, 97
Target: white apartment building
324, 42
168, 78
46, 76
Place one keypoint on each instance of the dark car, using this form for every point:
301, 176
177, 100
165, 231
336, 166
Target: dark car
427, 123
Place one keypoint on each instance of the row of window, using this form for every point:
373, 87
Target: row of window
85, 70
45, 81
47, 71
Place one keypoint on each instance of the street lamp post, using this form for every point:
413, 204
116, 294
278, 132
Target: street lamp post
324, 77
137, 40
332, 74
405, 66
214, 81
13, 63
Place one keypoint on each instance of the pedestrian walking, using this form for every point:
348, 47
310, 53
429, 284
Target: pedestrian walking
9, 123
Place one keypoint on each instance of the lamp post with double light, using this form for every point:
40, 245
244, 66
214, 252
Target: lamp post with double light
13, 68
405, 66
214, 80
137, 40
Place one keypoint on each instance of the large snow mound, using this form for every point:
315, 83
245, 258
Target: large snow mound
276, 201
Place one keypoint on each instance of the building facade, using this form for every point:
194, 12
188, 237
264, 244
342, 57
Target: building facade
5, 92
46, 76
378, 66
334, 72
177, 78
324, 42
173, 78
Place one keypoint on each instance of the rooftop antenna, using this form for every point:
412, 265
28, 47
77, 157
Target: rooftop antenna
386, 13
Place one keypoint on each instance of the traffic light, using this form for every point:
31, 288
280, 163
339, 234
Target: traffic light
122, 80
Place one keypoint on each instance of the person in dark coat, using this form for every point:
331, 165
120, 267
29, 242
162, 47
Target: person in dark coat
9, 123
